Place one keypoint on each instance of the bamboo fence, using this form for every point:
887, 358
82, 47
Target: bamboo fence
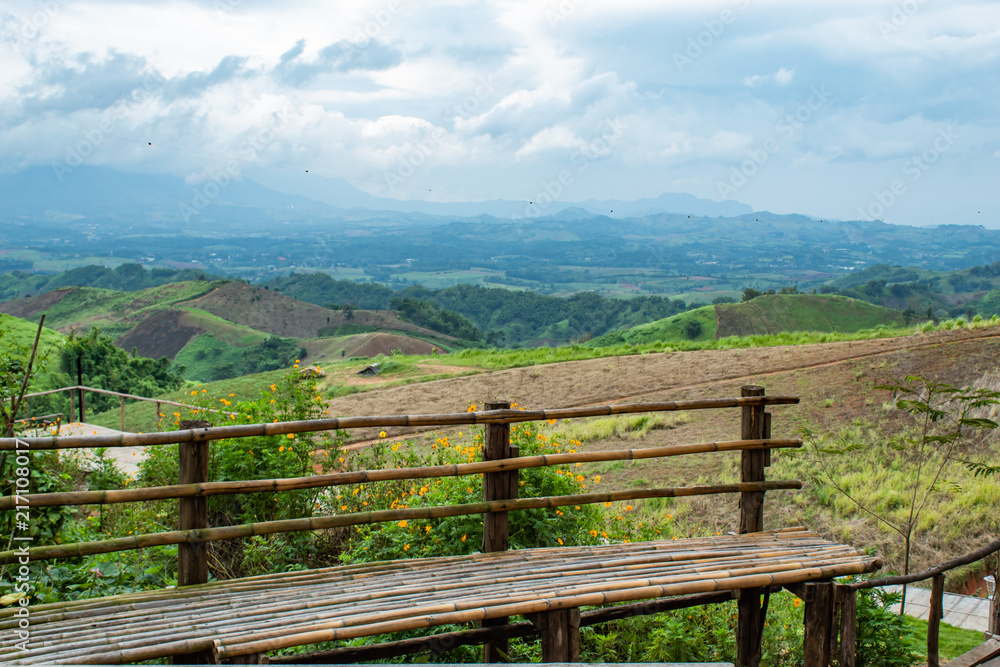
379, 516
203, 489
505, 416
241, 617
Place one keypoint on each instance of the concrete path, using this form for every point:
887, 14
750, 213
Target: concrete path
961, 611
126, 458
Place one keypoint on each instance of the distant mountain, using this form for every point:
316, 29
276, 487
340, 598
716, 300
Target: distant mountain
340, 193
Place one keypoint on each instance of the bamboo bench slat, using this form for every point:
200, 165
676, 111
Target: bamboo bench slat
270, 612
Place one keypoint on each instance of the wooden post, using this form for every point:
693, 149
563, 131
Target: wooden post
72, 405
496, 534
122, 399
192, 564
767, 436
79, 382
934, 620
560, 631
848, 626
158, 413
192, 561
818, 624
748, 634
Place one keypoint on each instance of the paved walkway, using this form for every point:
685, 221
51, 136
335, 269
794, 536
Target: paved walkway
126, 458
961, 611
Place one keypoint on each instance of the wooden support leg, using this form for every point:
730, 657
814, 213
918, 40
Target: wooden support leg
750, 624
934, 616
848, 626
819, 624
560, 631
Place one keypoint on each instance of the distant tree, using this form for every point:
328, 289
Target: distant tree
749, 294
692, 329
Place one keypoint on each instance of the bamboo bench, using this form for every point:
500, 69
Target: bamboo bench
242, 620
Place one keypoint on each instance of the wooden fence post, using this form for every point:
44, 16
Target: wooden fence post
848, 625
819, 624
122, 399
192, 563
496, 534
934, 616
749, 631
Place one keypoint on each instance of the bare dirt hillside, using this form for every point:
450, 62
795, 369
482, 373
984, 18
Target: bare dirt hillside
631, 377
280, 315
163, 333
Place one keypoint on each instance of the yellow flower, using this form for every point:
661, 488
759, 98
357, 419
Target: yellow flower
381, 434
194, 393
796, 602
291, 435
463, 538
281, 449
551, 421
607, 504
403, 524
579, 478
395, 447
428, 529
597, 480
177, 414
604, 535
472, 408
593, 533
559, 540
406, 548
628, 508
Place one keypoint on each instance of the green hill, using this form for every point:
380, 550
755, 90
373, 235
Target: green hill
766, 314
224, 329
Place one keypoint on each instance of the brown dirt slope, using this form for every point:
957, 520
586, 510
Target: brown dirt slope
629, 378
163, 333
280, 315
25, 308
372, 345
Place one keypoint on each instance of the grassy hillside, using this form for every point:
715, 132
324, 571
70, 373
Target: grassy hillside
773, 313
112, 311
767, 314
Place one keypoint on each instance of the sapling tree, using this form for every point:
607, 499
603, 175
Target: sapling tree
946, 418
17, 366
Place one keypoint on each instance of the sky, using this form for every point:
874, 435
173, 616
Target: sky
845, 109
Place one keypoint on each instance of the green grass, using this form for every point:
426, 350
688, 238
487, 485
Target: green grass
694, 326
108, 309
234, 334
619, 426
772, 313
952, 641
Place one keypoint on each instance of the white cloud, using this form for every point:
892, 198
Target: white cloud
782, 77
506, 93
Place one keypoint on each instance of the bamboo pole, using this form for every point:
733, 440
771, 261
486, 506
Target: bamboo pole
325, 522
336, 423
109, 497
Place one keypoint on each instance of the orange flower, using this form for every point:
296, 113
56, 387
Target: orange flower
463, 538
628, 508
403, 524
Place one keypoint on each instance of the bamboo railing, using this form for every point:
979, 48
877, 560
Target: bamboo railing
499, 468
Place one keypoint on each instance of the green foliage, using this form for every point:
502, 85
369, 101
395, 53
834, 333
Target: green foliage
571, 525
944, 415
882, 635
432, 316
291, 398
105, 366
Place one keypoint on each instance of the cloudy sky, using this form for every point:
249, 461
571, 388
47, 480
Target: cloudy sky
839, 109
